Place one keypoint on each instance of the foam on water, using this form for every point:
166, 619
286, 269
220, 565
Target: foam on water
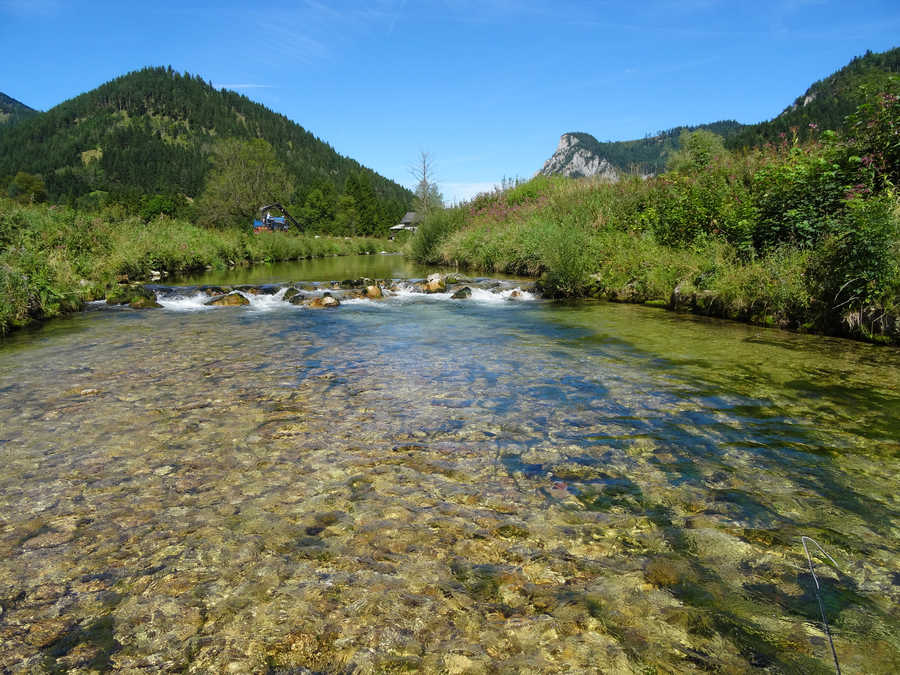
184, 302
409, 293
190, 300
266, 303
507, 294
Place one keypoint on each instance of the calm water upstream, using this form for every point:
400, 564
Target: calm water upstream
419, 483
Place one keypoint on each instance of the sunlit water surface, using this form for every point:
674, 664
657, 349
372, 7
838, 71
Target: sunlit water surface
486, 485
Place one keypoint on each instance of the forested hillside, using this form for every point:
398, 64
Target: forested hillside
827, 102
648, 155
153, 133
12, 111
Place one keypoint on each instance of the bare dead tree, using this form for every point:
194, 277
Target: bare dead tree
428, 196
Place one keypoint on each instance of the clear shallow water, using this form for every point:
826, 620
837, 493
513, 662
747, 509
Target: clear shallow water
377, 266
337, 268
466, 486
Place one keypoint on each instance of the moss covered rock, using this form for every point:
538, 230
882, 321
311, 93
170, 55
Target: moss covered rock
135, 296
462, 293
233, 299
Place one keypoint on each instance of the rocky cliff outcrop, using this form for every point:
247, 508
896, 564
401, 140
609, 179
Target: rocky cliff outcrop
573, 159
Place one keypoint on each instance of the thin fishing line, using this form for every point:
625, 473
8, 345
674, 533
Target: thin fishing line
804, 539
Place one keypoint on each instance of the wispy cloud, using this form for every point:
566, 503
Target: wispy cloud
296, 33
31, 7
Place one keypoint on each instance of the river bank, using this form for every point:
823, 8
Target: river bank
801, 235
54, 259
585, 239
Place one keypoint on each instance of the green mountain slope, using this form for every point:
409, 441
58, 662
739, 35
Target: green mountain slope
827, 102
152, 131
647, 155
13, 111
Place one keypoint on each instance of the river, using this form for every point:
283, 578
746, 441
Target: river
419, 483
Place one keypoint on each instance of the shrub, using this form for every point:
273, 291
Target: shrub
439, 224
564, 254
796, 198
713, 202
875, 127
857, 263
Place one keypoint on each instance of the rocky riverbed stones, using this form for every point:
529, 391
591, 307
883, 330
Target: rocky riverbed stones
213, 494
311, 294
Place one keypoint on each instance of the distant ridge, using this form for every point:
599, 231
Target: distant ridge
152, 131
580, 154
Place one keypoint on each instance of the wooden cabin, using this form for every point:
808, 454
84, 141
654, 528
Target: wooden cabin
409, 223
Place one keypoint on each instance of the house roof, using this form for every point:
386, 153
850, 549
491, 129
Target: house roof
410, 217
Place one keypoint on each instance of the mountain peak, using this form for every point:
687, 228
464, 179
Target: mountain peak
575, 159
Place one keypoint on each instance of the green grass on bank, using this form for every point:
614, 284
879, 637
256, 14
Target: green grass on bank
799, 236
53, 259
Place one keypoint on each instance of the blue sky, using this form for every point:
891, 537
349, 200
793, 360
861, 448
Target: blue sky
485, 87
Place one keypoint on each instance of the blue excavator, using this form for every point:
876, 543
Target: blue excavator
271, 223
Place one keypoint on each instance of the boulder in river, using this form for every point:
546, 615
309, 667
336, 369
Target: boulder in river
373, 292
435, 283
323, 302
251, 290
144, 302
462, 293
233, 299
135, 296
361, 282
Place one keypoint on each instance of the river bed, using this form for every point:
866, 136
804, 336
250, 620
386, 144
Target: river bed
421, 483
